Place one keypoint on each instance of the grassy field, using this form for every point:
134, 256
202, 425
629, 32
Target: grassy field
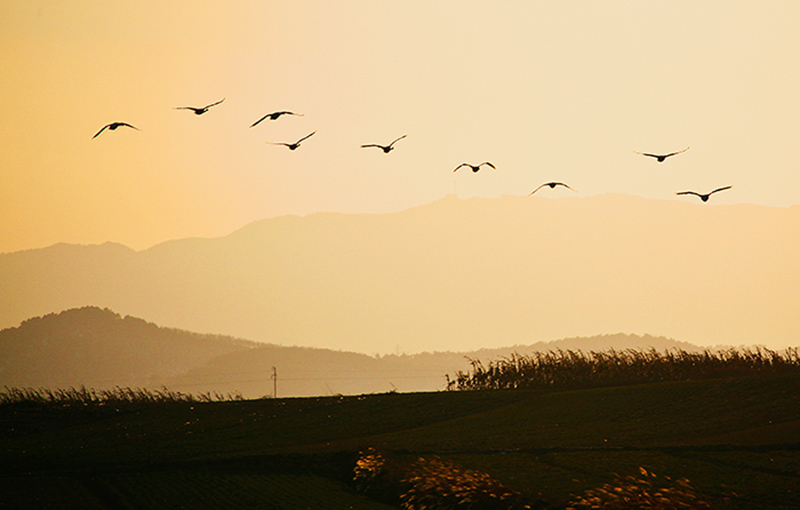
736, 440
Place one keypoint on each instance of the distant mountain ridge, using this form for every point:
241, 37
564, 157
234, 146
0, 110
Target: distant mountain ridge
99, 348
451, 275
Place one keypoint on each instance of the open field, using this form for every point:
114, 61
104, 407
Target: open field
736, 440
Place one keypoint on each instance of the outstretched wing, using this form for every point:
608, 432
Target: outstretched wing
488, 163
397, 139
537, 189
648, 154
213, 104
306, 137
721, 189
462, 164
101, 130
689, 193
372, 145
565, 185
259, 120
677, 152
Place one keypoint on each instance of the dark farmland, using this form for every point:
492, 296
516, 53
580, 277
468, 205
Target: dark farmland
736, 439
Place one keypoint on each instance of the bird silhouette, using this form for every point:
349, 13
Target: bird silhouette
113, 126
475, 168
385, 148
199, 111
703, 197
552, 185
293, 146
274, 116
661, 157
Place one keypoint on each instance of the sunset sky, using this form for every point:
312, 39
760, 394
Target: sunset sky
545, 90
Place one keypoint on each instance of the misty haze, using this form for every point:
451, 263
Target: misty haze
454, 275
349, 255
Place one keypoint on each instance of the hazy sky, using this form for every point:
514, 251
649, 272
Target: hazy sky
546, 90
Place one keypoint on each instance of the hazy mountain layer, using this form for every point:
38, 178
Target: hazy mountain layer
98, 348
452, 275
101, 349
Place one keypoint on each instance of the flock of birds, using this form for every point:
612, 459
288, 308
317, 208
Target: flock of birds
388, 148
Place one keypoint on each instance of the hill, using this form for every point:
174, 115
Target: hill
99, 348
453, 275
736, 440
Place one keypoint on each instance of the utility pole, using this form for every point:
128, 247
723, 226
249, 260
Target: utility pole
274, 378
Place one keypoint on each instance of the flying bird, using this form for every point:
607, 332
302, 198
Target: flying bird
552, 185
475, 168
199, 111
274, 116
293, 146
385, 148
113, 126
703, 197
661, 157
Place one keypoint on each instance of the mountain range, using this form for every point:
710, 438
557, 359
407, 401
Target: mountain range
453, 275
99, 348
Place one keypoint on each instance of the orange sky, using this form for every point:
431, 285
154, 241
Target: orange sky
545, 90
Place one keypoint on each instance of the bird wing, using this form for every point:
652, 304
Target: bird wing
128, 125
259, 120
305, 137
721, 189
462, 164
213, 104
565, 185
187, 108
372, 145
677, 152
397, 139
488, 163
101, 130
647, 154
689, 193
537, 189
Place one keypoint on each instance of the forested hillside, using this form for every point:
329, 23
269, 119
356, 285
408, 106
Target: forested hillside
99, 348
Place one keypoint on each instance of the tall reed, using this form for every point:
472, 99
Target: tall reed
578, 369
116, 396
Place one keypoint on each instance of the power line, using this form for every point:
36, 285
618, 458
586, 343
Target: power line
239, 381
